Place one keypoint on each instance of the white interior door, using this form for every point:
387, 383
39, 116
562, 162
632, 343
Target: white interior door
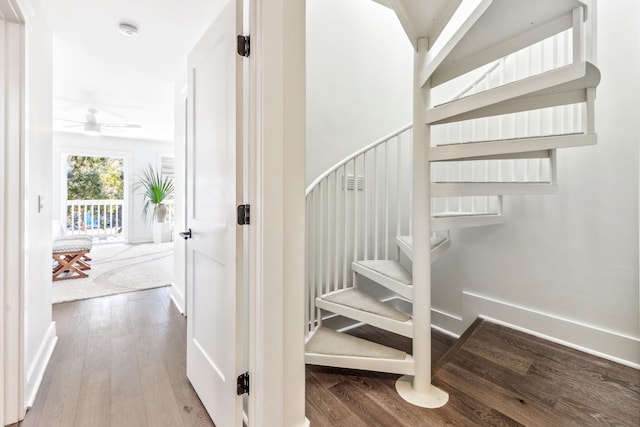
214, 189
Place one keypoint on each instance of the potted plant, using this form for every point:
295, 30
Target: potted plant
155, 190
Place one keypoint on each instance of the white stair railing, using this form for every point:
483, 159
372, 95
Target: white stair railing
356, 209
354, 212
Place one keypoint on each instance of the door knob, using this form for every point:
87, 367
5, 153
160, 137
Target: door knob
185, 234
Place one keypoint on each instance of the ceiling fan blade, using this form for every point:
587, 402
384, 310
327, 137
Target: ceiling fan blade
67, 120
120, 125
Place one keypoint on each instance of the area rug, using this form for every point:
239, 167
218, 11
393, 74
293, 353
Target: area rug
120, 268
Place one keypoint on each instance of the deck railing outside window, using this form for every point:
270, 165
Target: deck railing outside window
101, 218
94, 217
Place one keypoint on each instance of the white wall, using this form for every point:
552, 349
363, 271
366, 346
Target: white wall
566, 265
359, 74
137, 154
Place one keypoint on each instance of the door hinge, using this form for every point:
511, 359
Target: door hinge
244, 214
244, 45
243, 384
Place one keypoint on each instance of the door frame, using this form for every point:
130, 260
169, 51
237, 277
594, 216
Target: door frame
12, 72
277, 137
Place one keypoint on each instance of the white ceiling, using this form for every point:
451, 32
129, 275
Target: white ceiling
127, 79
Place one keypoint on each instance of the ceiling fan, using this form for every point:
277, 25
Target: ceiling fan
93, 127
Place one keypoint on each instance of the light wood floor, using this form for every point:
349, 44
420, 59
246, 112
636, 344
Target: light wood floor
119, 361
494, 376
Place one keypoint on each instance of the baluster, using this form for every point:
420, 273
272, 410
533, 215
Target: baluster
386, 200
336, 245
375, 203
356, 223
346, 268
365, 209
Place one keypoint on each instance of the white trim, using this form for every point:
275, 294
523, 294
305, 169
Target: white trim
447, 322
37, 368
177, 298
277, 135
12, 223
610, 345
3, 143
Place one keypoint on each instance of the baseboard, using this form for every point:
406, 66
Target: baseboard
37, 368
609, 345
447, 322
178, 298
590, 339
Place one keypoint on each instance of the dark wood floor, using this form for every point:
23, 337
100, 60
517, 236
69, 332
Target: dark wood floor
119, 361
495, 376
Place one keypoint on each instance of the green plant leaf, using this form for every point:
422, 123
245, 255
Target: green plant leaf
154, 189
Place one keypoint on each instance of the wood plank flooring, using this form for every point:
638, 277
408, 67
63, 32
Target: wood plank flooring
495, 376
120, 361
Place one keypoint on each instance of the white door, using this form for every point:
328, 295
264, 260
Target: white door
214, 189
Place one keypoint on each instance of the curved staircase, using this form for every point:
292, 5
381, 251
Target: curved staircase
376, 214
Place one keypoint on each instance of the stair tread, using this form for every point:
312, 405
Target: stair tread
552, 88
464, 214
389, 268
493, 182
355, 298
485, 141
330, 342
493, 37
511, 146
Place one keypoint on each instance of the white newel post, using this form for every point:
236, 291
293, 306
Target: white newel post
418, 389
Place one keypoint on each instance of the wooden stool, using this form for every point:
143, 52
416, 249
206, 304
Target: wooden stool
70, 257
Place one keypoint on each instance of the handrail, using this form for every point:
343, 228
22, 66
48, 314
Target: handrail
480, 78
354, 155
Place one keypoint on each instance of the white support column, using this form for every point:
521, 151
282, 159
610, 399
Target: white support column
418, 389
